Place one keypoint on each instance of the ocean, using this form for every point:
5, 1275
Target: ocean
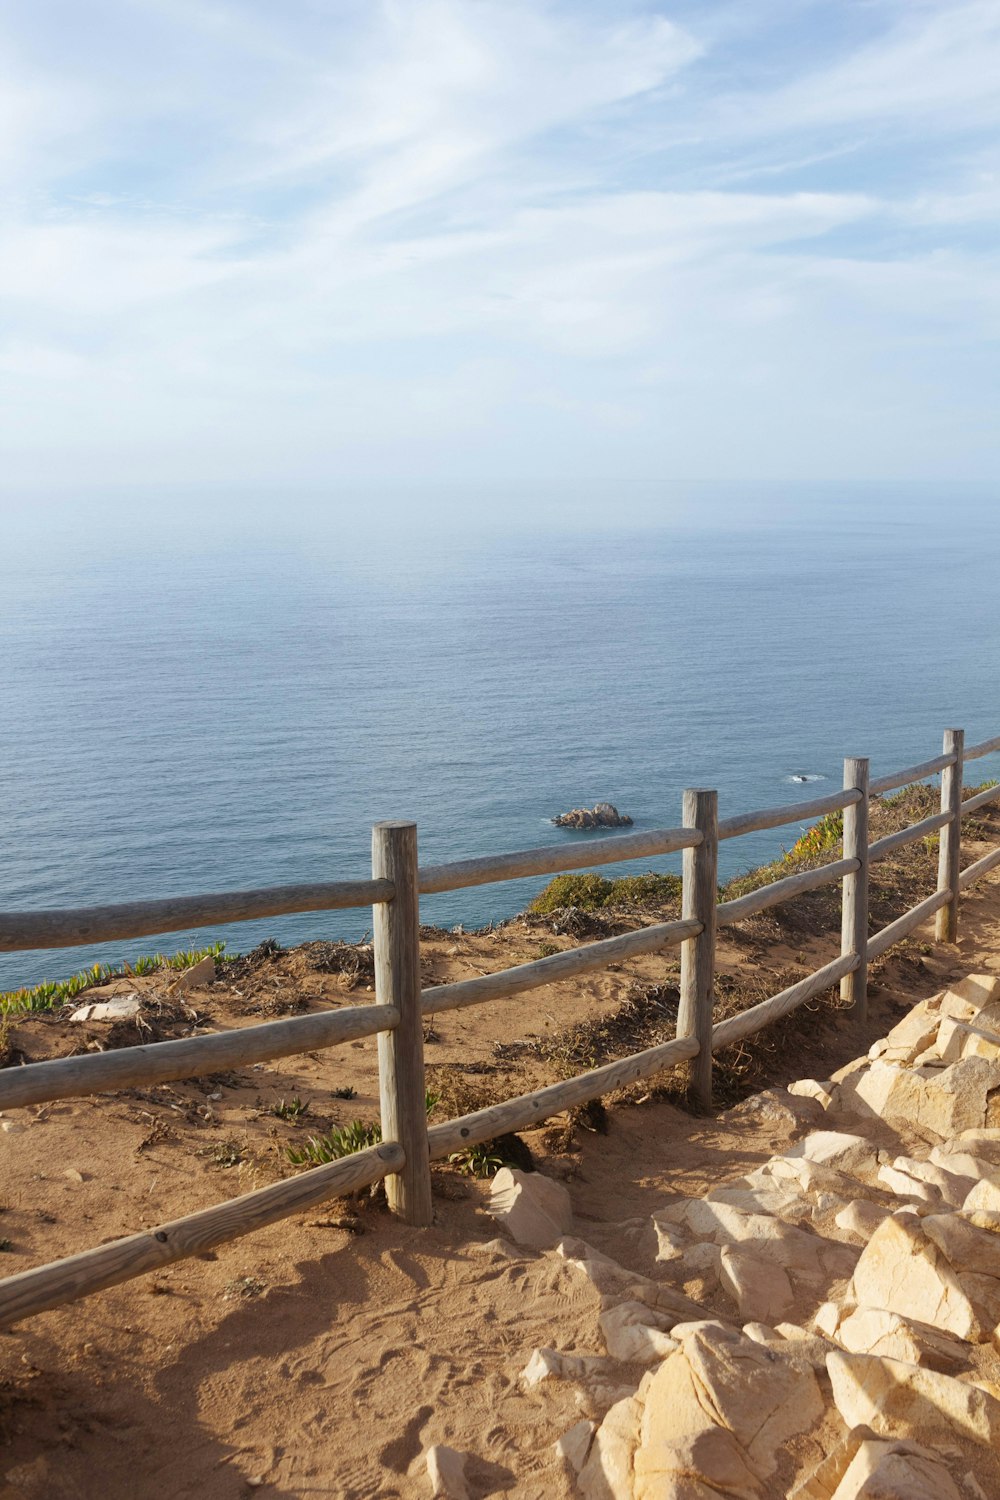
203, 705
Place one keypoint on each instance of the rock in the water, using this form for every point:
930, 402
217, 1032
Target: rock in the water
601, 815
534, 1209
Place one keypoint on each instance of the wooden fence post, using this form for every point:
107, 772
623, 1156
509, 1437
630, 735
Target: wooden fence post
854, 907
946, 921
700, 896
401, 1051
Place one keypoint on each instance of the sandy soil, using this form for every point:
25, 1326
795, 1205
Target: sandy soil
320, 1357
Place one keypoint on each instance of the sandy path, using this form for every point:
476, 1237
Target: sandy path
345, 1354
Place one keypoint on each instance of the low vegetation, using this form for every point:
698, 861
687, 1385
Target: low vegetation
595, 893
50, 993
344, 1140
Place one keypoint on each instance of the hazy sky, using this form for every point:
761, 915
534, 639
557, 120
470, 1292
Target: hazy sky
313, 242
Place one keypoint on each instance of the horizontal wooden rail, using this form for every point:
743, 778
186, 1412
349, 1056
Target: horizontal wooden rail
550, 859
748, 1021
910, 775
905, 924
796, 812
72, 928
981, 867
557, 966
909, 835
980, 799
986, 747
529, 1109
62, 1281
189, 1057
784, 890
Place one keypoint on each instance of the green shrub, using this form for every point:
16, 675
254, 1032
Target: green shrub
594, 893
589, 892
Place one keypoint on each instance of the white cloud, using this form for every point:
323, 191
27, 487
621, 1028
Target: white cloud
431, 236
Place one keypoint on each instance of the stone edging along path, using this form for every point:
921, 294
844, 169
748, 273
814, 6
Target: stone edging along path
851, 1347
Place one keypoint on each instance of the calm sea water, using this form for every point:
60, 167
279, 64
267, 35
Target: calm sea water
218, 708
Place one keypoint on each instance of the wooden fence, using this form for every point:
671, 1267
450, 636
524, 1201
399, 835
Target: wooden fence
397, 882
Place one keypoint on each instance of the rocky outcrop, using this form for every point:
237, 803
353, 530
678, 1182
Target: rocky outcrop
845, 1344
601, 815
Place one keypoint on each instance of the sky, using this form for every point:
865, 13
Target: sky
428, 243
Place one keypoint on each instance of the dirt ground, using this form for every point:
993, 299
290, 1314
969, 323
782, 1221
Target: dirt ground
321, 1356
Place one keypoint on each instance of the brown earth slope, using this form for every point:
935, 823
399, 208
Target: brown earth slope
321, 1356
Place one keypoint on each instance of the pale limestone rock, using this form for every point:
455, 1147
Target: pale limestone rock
767, 1196
836, 1148
804, 1254
574, 1445
898, 1399
703, 1263
903, 1185
983, 1197
446, 1472
940, 1101
203, 972
903, 1271
550, 1364
849, 1070
811, 1088
718, 1378
821, 1482
761, 1289
984, 1294
966, 1246
950, 1182
962, 1163
698, 1466
860, 1219
607, 1473
982, 1142
873, 1330
532, 1208
883, 1470
958, 1039
614, 1281
671, 1242
636, 1334
118, 1008
791, 1342
975, 992
975, 1489
911, 1036
827, 1319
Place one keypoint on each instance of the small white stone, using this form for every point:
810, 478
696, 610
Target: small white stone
574, 1445
446, 1472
